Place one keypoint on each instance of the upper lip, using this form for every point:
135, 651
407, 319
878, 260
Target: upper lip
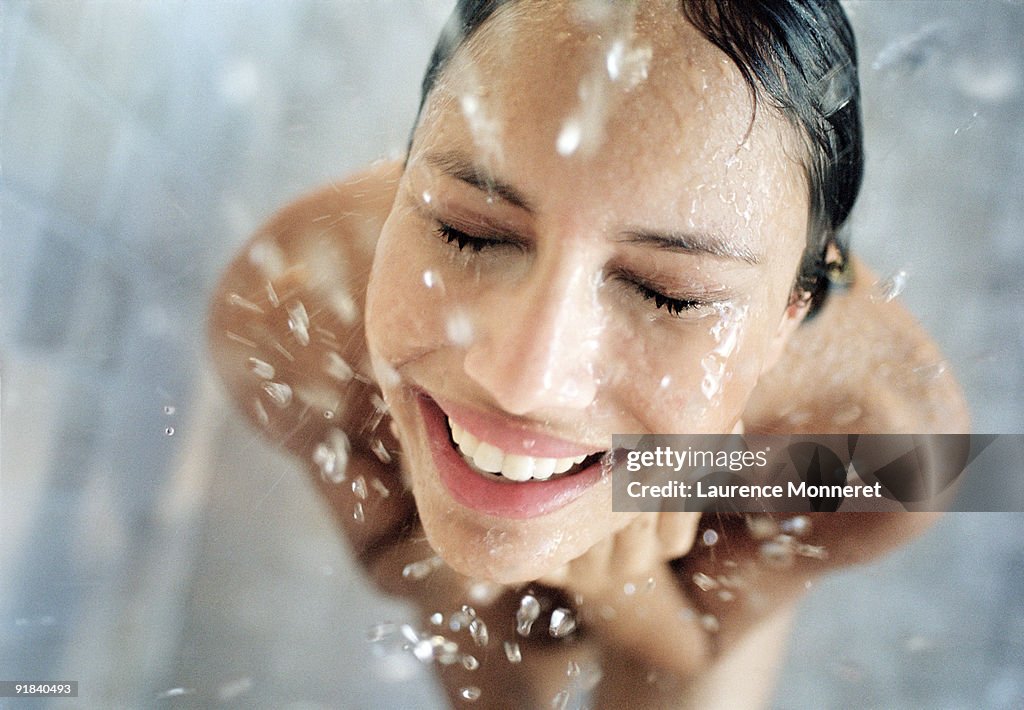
512, 436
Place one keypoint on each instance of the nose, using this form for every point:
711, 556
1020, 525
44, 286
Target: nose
540, 344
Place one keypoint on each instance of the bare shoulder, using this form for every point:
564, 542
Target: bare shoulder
862, 365
285, 327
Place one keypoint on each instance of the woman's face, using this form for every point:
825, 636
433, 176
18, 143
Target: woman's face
590, 238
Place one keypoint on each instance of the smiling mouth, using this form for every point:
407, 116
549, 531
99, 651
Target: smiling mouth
489, 460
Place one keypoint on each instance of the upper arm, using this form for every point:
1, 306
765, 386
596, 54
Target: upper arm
285, 334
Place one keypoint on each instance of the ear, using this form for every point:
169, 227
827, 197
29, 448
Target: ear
792, 317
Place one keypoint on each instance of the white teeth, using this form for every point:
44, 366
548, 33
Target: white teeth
488, 457
515, 467
518, 468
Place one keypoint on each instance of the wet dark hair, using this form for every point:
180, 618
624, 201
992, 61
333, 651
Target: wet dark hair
800, 57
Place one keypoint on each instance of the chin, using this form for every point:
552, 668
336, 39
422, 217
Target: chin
503, 553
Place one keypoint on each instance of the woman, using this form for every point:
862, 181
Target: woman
613, 218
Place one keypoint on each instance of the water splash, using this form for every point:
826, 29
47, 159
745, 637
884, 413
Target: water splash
422, 569
470, 663
529, 611
262, 369
298, 322
890, 287
279, 393
562, 623
798, 525
359, 487
478, 630
512, 652
239, 301
331, 457
705, 582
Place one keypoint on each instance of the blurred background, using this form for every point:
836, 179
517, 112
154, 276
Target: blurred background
158, 551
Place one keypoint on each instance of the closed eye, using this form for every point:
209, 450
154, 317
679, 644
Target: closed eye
463, 241
673, 306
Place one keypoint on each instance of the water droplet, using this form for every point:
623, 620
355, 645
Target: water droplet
710, 537
478, 630
816, 552
169, 431
777, 554
569, 138
381, 631
431, 279
561, 700
381, 489
421, 569
357, 513
725, 595
175, 693
331, 457
459, 329
470, 693
798, 525
665, 381
705, 582
529, 610
761, 527
263, 370
423, 650
709, 622
470, 663
426, 197
169, 410
512, 652
238, 301
573, 669
380, 451
279, 393
890, 287
562, 623
337, 368
359, 487
298, 322
629, 589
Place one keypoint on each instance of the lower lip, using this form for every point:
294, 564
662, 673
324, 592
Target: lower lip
527, 499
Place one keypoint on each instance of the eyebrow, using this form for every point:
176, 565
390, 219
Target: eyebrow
460, 167
709, 243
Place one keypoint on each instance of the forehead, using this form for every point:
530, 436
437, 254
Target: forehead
617, 99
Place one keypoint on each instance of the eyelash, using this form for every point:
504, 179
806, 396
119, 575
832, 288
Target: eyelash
460, 240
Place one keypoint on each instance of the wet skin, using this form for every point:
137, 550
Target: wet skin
563, 340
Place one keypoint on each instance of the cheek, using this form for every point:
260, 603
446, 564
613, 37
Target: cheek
694, 380
405, 296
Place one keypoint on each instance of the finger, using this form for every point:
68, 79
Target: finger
676, 533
